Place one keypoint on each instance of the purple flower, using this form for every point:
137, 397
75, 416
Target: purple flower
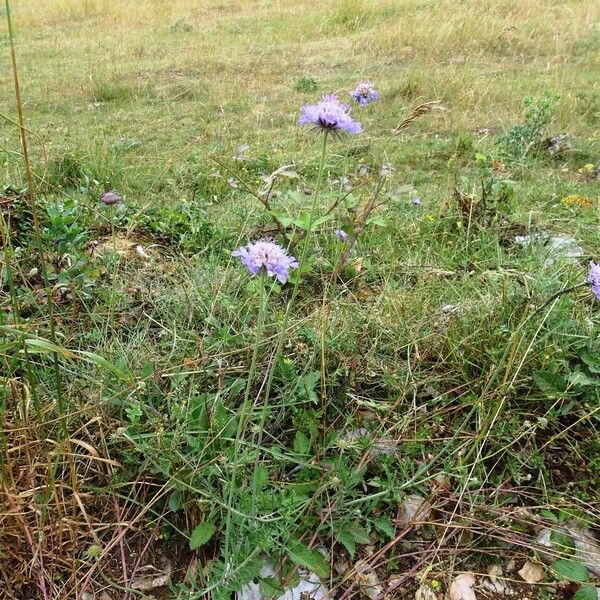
416, 200
268, 255
340, 234
594, 278
329, 115
364, 93
110, 198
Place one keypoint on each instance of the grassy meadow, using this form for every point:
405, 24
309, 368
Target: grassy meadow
418, 405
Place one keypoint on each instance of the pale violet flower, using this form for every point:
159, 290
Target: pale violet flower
269, 256
110, 198
329, 115
594, 278
340, 234
365, 93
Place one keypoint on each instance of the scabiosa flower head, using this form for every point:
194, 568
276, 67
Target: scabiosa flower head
268, 255
110, 198
340, 234
594, 278
416, 200
329, 115
364, 93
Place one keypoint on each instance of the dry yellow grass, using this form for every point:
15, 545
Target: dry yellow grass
477, 56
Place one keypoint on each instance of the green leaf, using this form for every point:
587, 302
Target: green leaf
99, 361
311, 559
377, 220
175, 501
309, 382
346, 539
359, 533
301, 444
562, 541
270, 588
302, 221
592, 362
550, 516
550, 383
580, 378
384, 526
570, 570
45, 346
224, 424
586, 592
147, 370
202, 534
322, 220
350, 534
261, 478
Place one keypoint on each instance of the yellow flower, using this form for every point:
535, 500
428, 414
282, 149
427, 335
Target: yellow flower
577, 200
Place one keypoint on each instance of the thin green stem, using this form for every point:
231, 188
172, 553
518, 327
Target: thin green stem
283, 333
115, 262
245, 410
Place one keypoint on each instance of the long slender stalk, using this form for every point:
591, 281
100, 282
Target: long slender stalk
36, 221
115, 263
284, 326
245, 411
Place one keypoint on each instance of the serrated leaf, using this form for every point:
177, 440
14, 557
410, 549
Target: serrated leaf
347, 541
359, 533
570, 570
549, 515
202, 534
309, 383
350, 534
586, 592
270, 588
311, 559
385, 526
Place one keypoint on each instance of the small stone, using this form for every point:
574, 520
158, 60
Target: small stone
414, 508
367, 580
531, 572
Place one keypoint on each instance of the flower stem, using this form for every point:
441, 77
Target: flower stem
283, 333
115, 261
245, 408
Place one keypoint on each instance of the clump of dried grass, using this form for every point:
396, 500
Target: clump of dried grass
59, 537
